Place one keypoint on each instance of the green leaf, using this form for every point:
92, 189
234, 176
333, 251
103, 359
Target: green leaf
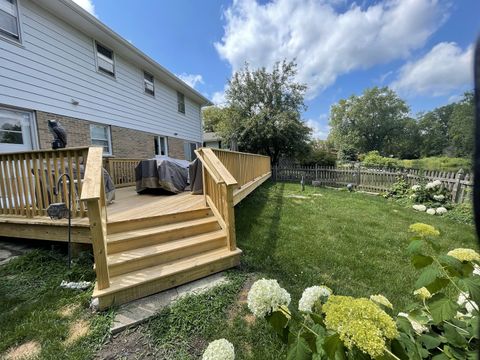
452, 334
420, 261
415, 247
440, 357
299, 350
398, 349
442, 308
438, 285
334, 348
279, 323
430, 342
428, 275
450, 264
472, 285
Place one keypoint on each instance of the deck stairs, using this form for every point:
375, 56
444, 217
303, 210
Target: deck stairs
152, 254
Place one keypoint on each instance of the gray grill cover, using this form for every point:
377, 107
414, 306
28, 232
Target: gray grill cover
161, 174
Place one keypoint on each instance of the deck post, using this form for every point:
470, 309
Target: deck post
98, 233
229, 215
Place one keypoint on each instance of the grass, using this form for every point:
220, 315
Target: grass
352, 242
35, 309
440, 163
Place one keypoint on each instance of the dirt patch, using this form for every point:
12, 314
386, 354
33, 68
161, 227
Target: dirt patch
237, 307
77, 330
68, 310
129, 344
25, 351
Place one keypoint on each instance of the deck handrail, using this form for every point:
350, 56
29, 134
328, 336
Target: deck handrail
28, 180
122, 170
94, 195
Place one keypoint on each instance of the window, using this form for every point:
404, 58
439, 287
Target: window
16, 130
149, 83
100, 135
189, 150
181, 102
9, 25
105, 60
161, 147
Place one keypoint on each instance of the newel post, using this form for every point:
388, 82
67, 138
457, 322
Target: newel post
456, 187
229, 215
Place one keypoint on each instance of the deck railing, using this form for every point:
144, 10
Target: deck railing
28, 181
122, 170
93, 195
244, 167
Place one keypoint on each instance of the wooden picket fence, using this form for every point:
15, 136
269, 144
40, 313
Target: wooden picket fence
460, 184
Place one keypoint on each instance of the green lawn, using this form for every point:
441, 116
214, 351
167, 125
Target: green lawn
352, 242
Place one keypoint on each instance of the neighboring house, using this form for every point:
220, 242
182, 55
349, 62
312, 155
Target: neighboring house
212, 140
59, 62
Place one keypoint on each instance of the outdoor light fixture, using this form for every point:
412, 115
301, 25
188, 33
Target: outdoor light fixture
58, 211
75, 102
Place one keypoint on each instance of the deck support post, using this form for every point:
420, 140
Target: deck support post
229, 214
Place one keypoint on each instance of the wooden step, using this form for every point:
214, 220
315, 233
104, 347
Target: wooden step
135, 239
137, 259
138, 284
141, 223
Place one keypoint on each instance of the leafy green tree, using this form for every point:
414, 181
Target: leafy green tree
434, 127
319, 153
263, 112
212, 117
461, 126
374, 120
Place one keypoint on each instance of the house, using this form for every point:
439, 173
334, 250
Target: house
212, 140
59, 62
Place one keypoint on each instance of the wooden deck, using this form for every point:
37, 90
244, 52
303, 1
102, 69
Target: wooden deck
142, 244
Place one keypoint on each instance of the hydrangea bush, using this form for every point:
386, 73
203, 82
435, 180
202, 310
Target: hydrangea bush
220, 349
330, 326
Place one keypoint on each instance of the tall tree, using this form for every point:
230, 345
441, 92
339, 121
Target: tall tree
372, 121
434, 127
265, 111
461, 127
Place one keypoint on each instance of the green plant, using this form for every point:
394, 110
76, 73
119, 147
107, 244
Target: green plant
399, 189
342, 327
374, 159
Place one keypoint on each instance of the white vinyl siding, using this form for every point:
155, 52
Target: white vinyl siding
57, 64
9, 20
100, 135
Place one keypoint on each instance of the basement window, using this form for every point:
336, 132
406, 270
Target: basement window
100, 136
9, 24
149, 83
105, 60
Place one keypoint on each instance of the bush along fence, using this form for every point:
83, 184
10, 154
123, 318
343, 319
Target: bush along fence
459, 184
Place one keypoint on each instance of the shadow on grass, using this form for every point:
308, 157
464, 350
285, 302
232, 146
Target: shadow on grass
249, 212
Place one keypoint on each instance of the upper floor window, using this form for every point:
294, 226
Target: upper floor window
181, 102
149, 83
100, 135
9, 25
105, 59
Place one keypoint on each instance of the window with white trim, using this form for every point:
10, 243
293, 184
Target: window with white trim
161, 145
180, 102
105, 60
9, 24
100, 136
149, 83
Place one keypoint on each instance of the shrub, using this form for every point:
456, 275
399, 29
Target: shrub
441, 163
342, 327
374, 159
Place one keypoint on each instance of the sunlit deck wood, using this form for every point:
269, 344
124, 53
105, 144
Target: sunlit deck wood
128, 205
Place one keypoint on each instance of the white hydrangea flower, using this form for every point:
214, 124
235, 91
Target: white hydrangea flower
311, 295
433, 185
439, 197
431, 211
221, 349
266, 296
476, 269
470, 305
441, 210
416, 187
419, 207
419, 328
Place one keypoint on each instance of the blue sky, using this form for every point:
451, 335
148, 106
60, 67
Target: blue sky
421, 48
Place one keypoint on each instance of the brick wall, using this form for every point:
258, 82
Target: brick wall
126, 143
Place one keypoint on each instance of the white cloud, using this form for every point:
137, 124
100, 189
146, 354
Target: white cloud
87, 5
191, 79
319, 131
444, 69
324, 41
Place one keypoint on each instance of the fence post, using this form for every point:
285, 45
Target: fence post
316, 172
359, 172
456, 187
